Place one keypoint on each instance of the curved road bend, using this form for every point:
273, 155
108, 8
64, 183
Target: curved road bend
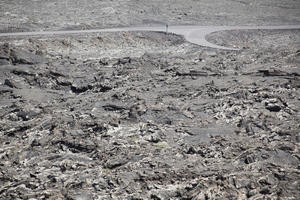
193, 34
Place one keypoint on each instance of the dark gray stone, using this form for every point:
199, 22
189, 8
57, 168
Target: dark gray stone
25, 57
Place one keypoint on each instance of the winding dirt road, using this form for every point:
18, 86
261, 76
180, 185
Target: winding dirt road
193, 34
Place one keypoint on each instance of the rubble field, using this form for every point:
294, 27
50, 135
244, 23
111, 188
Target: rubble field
147, 115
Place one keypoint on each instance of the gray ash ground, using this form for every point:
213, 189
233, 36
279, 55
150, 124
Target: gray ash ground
87, 14
148, 116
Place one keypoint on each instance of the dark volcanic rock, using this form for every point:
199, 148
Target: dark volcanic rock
147, 115
115, 162
11, 83
25, 57
4, 61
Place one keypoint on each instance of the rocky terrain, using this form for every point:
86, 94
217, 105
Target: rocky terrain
146, 115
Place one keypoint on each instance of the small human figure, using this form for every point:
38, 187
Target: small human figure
167, 26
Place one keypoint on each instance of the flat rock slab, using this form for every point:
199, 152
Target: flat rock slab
202, 135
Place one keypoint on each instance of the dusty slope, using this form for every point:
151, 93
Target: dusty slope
72, 14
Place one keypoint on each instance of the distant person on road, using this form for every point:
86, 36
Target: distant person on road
167, 26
